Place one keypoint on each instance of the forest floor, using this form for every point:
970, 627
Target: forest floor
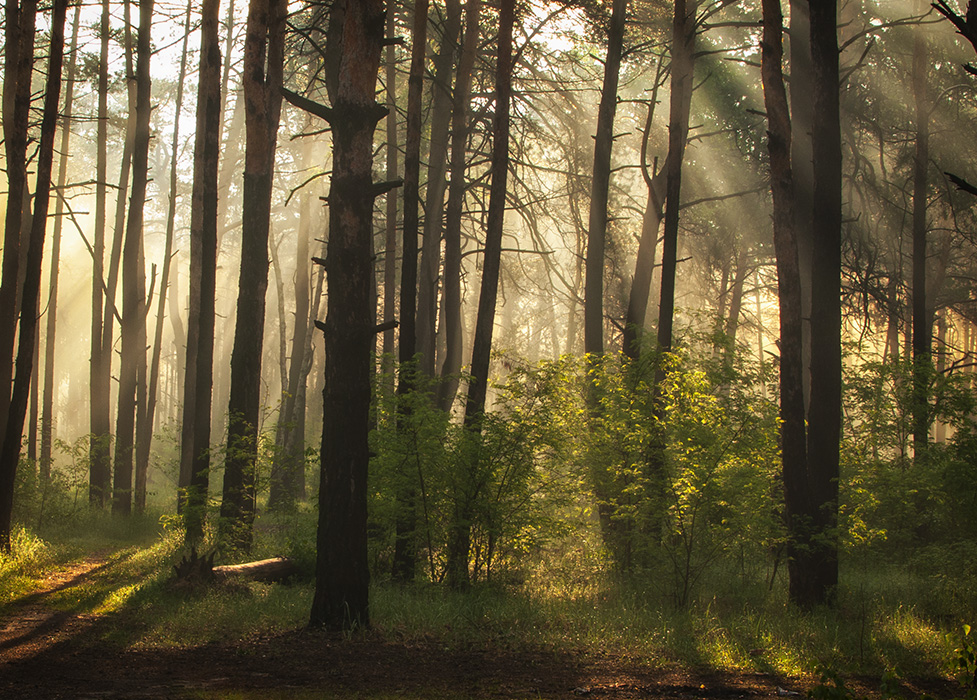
47, 651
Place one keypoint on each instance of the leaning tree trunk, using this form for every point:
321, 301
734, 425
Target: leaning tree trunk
198, 378
17, 412
459, 544
341, 598
263, 98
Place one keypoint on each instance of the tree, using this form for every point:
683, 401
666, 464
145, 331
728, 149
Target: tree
198, 378
341, 598
17, 407
460, 537
133, 327
600, 185
263, 62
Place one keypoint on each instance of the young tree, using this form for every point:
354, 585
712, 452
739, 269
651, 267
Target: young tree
341, 598
263, 63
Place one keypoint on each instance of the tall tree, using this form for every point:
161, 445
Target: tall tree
144, 438
817, 581
133, 327
460, 536
600, 185
198, 378
26, 342
50, 333
451, 304
263, 62
100, 469
341, 598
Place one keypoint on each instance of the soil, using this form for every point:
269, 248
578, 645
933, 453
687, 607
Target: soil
46, 653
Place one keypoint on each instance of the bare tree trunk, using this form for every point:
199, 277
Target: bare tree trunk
145, 433
341, 598
459, 544
427, 290
100, 468
17, 411
198, 378
50, 334
133, 328
451, 304
922, 328
262, 88
824, 414
600, 185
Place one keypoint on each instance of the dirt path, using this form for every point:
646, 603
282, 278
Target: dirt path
47, 653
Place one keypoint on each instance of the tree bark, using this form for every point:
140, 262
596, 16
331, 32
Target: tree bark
17, 411
198, 377
264, 43
600, 185
451, 304
341, 599
820, 562
133, 328
50, 334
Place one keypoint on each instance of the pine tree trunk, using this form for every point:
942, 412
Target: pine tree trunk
265, 37
24, 369
341, 598
198, 378
133, 329
451, 304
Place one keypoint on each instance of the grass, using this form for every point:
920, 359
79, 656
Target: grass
886, 617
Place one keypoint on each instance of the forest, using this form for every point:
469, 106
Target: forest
637, 328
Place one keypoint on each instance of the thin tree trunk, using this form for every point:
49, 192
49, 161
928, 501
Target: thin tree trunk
922, 328
133, 328
600, 185
451, 304
341, 598
50, 335
427, 291
262, 89
100, 468
17, 412
460, 535
390, 235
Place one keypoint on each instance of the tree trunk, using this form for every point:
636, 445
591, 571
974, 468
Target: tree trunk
922, 328
262, 94
451, 304
341, 598
427, 291
600, 185
50, 335
133, 328
100, 468
460, 535
19, 27
390, 235
820, 562
17, 411
198, 378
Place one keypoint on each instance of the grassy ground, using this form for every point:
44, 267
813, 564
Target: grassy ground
887, 617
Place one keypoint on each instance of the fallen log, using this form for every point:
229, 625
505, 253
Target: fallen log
266, 570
